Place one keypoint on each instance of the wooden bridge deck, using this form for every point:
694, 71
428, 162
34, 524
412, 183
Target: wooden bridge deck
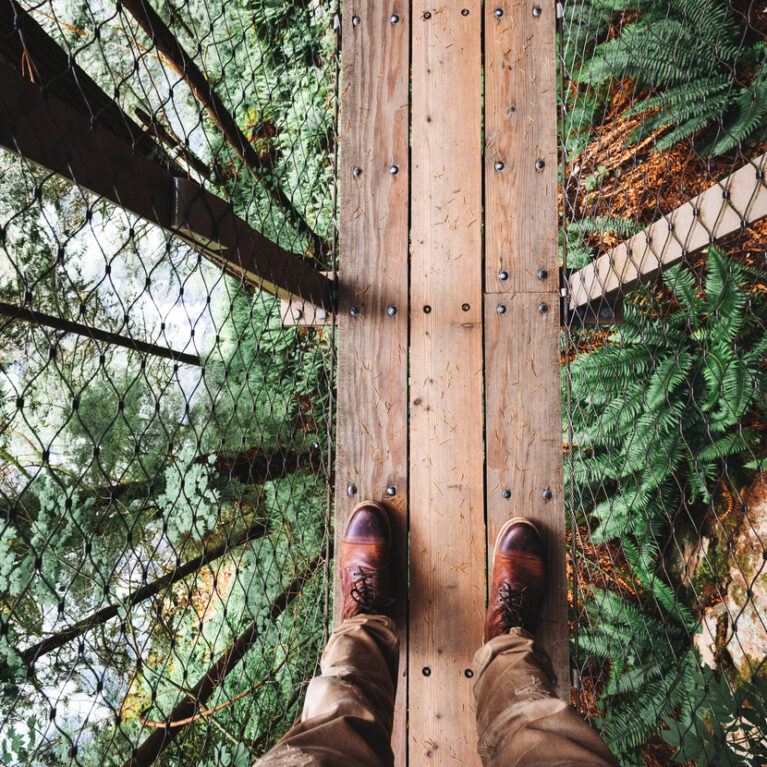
448, 357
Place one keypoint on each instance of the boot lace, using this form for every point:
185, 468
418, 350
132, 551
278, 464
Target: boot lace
366, 591
512, 601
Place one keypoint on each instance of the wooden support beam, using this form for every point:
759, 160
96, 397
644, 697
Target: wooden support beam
735, 201
167, 43
44, 129
523, 397
115, 339
371, 448
447, 522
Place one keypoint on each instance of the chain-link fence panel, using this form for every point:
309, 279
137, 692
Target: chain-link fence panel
165, 440
663, 140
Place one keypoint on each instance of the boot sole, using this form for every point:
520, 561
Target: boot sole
506, 526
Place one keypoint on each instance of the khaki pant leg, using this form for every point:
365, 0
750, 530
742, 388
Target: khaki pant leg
349, 710
519, 720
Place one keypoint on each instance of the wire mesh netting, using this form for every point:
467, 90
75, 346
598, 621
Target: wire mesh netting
164, 440
664, 410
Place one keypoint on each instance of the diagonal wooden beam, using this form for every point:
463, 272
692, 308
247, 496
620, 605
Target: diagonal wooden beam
730, 204
43, 128
167, 43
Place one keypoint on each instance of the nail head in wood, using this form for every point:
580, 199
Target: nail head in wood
501, 309
391, 310
498, 12
468, 673
427, 309
537, 11
352, 489
542, 274
426, 671
394, 18
543, 308
502, 275
499, 165
427, 15
355, 20
394, 170
354, 311
506, 494
391, 490
357, 172
540, 164
465, 307
547, 494
465, 12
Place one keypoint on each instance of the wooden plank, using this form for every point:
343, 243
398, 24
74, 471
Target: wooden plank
44, 129
521, 146
720, 210
447, 530
524, 443
371, 449
522, 366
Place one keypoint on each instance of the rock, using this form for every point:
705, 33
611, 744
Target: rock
741, 620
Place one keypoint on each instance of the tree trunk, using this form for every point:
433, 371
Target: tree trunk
31, 654
151, 748
254, 466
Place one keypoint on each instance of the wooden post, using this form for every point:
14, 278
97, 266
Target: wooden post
371, 459
522, 324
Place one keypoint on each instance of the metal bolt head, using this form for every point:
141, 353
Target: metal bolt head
297, 314
540, 164
499, 165
606, 313
355, 20
321, 314
537, 11
506, 494
427, 15
501, 309
547, 494
426, 671
391, 310
394, 18
465, 12
394, 170
354, 311
542, 274
543, 308
498, 12
468, 673
352, 489
427, 309
357, 172
391, 490
502, 275
465, 307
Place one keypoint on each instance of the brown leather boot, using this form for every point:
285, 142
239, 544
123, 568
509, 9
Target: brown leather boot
365, 562
518, 581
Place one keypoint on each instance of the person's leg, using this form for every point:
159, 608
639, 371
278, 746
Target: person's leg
520, 721
348, 712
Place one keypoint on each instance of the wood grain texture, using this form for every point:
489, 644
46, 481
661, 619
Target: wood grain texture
372, 346
447, 532
520, 131
720, 210
524, 444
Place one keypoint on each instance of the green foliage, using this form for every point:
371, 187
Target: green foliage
718, 724
689, 57
658, 409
